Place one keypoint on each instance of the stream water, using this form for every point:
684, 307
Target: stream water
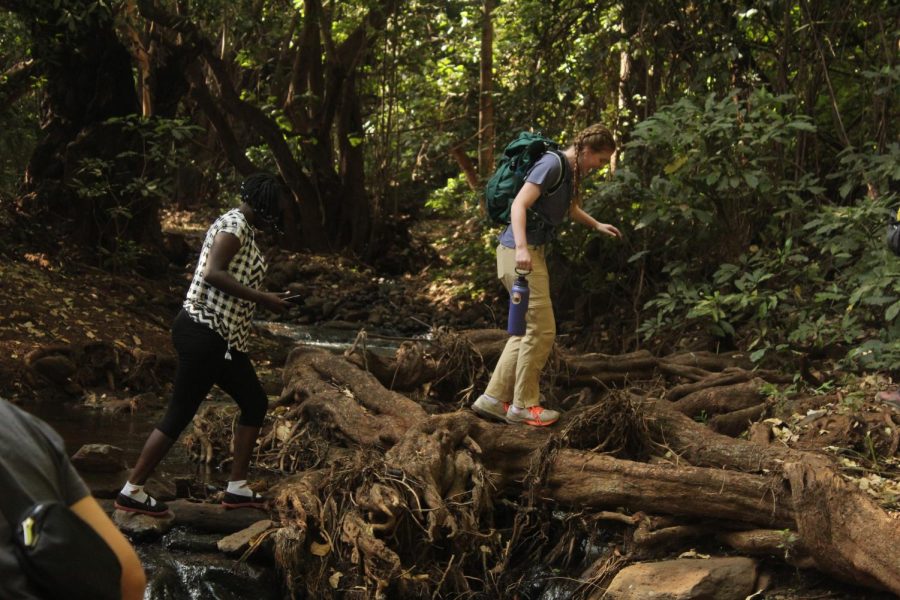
335, 338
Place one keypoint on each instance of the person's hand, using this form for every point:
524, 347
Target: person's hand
523, 259
274, 301
610, 230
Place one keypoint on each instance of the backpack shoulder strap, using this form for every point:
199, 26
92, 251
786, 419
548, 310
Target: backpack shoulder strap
562, 171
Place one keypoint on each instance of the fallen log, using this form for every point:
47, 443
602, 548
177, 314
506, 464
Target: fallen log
736, 422
590, 480
721, 399
205, 517
446, 469
418, 363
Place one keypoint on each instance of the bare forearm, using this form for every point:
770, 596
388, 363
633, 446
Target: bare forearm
580, 216
517, 220
526, 197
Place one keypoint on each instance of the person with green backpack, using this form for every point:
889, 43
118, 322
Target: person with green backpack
535, 186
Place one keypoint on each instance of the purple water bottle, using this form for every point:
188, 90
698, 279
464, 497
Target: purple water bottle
518, 306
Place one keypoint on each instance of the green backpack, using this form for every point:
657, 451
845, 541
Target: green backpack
518, 158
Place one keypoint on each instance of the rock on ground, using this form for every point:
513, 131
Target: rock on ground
728, 578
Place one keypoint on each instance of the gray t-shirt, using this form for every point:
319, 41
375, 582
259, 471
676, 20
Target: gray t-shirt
552, 206
34, 455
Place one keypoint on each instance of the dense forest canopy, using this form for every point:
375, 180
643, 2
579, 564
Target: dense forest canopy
758, 146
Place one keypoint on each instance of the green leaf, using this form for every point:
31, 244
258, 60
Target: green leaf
846, 189
637, 256
676, 164
892, 311
752, 180
802, 126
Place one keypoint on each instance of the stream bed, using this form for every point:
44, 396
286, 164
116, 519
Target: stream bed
186, 564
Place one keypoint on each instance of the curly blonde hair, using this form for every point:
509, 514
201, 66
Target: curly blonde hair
598, 138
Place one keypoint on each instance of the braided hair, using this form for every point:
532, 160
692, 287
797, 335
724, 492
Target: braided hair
262, 192
598, 138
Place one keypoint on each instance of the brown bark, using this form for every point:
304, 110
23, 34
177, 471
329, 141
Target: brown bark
737, 422
486, 91
361, 410
769, 542
584, 479
845, 532
205, 516
468, 168
225, 134
450, 458
719, 400
88, 74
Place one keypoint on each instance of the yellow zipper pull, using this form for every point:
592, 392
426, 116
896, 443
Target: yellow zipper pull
28, 532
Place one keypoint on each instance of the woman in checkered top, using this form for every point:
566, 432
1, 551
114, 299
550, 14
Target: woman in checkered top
210, 336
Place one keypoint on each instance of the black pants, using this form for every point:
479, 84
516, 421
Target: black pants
202, 363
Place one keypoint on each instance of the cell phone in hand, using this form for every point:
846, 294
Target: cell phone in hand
298, 299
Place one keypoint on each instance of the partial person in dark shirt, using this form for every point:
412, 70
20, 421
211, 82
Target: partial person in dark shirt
34, 455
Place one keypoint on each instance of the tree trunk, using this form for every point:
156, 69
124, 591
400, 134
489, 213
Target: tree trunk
88, 81
327, 179
485, 97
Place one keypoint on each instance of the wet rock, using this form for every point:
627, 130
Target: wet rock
314, 303
354, 315
238, 543
115, 406
728, 578
56, 368
99, 458
188, 541
147, 400
143, 527
105, 484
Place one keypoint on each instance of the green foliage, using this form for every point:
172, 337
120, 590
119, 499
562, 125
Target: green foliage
753, 250
742, 184
455, 199
470, 248
18, 121
122, 188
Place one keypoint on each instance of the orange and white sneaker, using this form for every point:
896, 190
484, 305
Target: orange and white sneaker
536, 416
490, 408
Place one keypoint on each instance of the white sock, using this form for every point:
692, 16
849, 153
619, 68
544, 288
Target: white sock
135, 491
240, 488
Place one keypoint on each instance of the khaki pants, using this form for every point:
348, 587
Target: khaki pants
517, 376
